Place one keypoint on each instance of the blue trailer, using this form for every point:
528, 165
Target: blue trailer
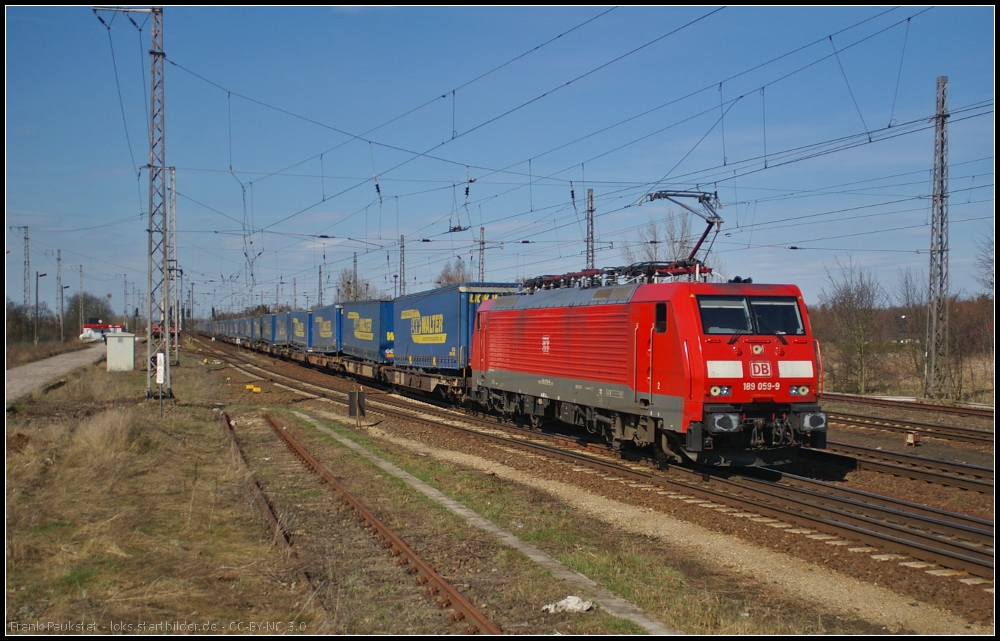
257, 329
282, 320
327, 329
433, 329
300, 333
367, 330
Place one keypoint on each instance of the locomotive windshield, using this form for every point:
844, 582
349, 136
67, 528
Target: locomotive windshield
767, 315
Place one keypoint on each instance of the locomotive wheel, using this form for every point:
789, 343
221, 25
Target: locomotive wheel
535, 421
664, 453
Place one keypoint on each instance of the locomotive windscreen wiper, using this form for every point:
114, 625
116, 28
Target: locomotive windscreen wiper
763, 321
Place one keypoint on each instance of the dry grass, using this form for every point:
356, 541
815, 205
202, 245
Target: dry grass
121, 516
896, 371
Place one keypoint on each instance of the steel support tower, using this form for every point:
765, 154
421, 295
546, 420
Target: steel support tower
79, 297
590, 229
402, 265
27, 270
59, 294
482, 254
173, 268
158, 267
936, 378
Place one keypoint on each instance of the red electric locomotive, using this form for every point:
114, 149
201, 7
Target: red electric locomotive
722, 374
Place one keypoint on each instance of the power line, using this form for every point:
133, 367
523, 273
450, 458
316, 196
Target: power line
426, 153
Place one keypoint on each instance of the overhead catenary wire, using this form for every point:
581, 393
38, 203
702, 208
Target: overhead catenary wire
899, 74
426, 153
418, 107
731, 77
848, 83
535, 180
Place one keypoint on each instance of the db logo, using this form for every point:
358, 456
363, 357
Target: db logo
760, 369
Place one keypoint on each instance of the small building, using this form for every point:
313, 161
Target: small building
121, 352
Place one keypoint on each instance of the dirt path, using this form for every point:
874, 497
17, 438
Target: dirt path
25, 379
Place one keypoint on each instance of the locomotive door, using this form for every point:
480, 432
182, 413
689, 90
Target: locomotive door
480, 333
657, 332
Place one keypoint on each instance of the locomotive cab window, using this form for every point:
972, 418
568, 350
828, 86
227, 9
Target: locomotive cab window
725, 314
774, 315
761, 315
661, 318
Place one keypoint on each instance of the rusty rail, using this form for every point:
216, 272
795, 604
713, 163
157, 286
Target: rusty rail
447, 596
279, 531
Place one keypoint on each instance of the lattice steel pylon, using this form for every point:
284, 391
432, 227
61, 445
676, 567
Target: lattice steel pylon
590, 229
173, 268
936, 378
158, 267
482, 254
402, 265
27, 267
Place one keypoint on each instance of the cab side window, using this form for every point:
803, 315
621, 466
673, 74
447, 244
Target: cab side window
661, 318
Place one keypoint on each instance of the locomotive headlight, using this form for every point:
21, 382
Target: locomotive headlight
799, 390
723, 423
814, 422
720, 390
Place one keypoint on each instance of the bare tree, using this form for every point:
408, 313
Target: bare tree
910, 317
660, 241
985, 264
349, 290
451, 275
856, 302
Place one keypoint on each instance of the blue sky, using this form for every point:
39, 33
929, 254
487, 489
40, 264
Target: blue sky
280, 120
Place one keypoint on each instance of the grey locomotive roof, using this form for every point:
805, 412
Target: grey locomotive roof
567, 297
478, 288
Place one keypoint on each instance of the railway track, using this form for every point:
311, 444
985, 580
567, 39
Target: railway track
446, 594
952, 433
930, 536
914, 405
961, 475
446, 597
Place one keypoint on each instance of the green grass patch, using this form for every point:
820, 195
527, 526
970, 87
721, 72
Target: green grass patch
626, 574
52, 525
623, 626
77, 577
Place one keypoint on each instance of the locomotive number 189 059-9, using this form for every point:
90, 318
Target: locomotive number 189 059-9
761, 386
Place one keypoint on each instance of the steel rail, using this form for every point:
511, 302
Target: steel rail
448, 596
927, 519
928, 429
279, 532
915, 405
967, 477
924, 547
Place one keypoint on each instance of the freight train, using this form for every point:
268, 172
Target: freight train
715, 373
